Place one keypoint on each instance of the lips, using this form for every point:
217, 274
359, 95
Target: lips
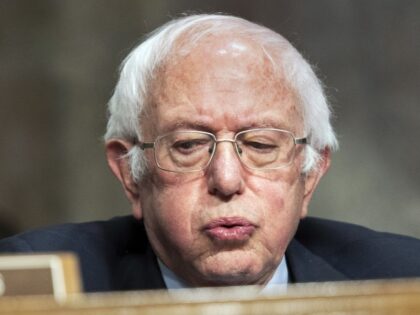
230, 229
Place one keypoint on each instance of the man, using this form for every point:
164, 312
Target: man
219, 132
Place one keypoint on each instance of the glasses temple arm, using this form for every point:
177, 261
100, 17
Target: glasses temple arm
302, 141
143, 145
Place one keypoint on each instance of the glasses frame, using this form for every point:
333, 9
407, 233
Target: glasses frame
151, 145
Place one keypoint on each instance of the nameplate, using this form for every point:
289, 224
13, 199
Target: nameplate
39, 274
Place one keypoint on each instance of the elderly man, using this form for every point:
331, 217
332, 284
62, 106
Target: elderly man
219, 132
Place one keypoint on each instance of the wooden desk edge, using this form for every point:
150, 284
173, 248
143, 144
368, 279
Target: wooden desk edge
374, 297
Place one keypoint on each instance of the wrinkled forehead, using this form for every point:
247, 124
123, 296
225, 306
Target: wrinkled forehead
217, 66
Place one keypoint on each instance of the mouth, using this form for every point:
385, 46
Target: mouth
230, 229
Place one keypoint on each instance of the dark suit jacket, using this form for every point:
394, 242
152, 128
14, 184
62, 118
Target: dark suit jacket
116, 254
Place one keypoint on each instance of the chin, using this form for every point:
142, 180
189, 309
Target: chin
233, 269
233, 278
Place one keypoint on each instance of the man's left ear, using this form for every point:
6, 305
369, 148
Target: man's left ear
116, 151
312, 179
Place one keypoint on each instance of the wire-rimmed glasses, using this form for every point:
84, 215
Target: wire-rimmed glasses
193, 150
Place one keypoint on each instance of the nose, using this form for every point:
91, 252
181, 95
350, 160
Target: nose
225, 172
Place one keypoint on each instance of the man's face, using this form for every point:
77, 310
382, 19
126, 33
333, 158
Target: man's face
227, 224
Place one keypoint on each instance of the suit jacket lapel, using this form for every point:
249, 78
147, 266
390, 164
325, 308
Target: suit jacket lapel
139, 271
137, 267
305, 266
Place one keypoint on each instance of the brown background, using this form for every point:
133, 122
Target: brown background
58, 62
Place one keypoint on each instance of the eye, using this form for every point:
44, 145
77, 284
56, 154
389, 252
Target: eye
189, 146
184, 145
260, 146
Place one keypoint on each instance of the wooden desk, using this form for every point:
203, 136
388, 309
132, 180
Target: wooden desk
377, 297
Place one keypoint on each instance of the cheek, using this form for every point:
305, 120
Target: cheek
281, 205
280, 190
168, 208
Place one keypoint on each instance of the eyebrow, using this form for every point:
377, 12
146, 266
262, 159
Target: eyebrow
188, 125
266, 123
263, 124
203, 125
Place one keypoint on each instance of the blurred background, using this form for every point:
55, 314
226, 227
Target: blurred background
58, 66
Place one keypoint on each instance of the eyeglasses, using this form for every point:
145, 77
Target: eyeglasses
191, 151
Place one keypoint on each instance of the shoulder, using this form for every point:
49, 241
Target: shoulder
73, 236
100, 246
359, 252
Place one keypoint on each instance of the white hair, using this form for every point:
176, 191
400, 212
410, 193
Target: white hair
139, 68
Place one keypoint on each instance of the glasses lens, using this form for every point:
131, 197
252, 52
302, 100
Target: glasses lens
265, 148
184, 151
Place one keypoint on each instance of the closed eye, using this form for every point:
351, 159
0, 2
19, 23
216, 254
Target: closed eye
260, 145
189, 146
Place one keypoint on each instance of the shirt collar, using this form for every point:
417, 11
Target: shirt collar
277, 282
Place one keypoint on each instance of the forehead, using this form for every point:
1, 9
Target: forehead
222, 83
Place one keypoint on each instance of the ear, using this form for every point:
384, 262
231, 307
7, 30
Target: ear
116, 151
312, 179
